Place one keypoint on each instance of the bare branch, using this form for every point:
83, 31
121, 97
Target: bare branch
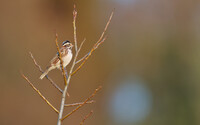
97, 45
39, 93
61, 61
64, 92
47, 77
106, 27
88, 55
35, 62
74, 62
96, 90
82, 58
81, 45
101, 40
93, 48
74, 25
79, 103
86, 117
69, 77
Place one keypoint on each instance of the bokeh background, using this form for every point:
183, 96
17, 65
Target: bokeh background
149, 66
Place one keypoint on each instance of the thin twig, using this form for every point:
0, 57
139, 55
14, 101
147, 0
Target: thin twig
74, 63
93, 48
82, 58
79, 103
89, 54
74, 25
106, 27
39, 93
66, 86
97, 45
69, 77
100, 40
61, 61
40, 69
96, 90
86, 117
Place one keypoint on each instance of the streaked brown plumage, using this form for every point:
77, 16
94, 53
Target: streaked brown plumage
66, 54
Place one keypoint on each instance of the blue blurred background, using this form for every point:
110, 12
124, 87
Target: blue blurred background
149, 66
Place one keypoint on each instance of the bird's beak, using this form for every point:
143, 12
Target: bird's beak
72, 45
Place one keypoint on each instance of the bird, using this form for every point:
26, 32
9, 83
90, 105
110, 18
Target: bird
66, 54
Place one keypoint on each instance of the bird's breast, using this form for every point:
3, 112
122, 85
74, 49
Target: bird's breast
67, 59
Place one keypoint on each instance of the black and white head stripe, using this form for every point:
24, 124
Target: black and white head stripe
66, 42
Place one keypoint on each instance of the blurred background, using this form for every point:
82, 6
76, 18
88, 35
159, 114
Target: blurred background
149, 66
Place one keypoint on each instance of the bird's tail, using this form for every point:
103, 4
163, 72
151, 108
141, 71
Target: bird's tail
46, 72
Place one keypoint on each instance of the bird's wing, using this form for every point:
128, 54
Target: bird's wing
56, 58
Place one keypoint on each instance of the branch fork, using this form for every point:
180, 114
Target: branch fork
82, 61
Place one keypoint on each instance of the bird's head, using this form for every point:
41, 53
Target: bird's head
67, 44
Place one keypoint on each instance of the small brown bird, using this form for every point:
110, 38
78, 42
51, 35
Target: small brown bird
66, 54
